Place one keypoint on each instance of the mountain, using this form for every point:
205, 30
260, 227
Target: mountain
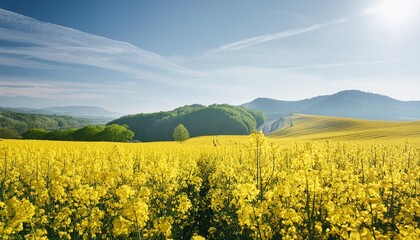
82, 111
199, 120
276, 108
348, 103
74, 111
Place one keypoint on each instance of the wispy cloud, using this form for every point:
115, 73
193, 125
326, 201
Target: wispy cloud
248, 42
24, 63
261, 39
58, 65
56, 44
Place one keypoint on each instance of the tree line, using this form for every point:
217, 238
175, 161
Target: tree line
110, 133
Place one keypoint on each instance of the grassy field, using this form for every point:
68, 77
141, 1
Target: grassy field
322, 128
308, 127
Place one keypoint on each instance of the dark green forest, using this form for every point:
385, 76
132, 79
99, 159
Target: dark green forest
217, 119
22, 122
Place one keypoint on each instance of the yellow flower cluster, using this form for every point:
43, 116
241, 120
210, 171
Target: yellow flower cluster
260, 190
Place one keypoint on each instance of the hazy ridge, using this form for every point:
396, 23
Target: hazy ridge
349, 103
73, 111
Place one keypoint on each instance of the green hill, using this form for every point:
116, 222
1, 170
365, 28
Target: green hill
309, 127
21, 122
199, 120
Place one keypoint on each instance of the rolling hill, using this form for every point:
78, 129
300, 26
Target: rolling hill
349, 103
21, 122
217, 119
310, 127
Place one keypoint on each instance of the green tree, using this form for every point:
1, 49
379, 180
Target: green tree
61, 134
37, 133
87, 133
181, 133
8, 133
115, 133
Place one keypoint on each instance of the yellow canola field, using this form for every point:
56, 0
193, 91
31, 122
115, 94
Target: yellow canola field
212, 187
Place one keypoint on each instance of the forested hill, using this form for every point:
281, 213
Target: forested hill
21, 122
199, 120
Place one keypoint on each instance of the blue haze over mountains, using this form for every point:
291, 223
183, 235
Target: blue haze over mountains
349, 103
73, 111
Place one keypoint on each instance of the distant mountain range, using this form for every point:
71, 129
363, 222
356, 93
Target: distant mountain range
349, 103
86, 111
74, 111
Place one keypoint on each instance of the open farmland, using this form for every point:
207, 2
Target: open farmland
214, 187
309, 127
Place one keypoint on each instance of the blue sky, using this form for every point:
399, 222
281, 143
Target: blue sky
144, 56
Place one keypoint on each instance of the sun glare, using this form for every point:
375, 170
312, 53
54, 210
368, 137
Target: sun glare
398, 12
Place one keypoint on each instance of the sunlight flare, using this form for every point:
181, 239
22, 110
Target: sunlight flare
397, 12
